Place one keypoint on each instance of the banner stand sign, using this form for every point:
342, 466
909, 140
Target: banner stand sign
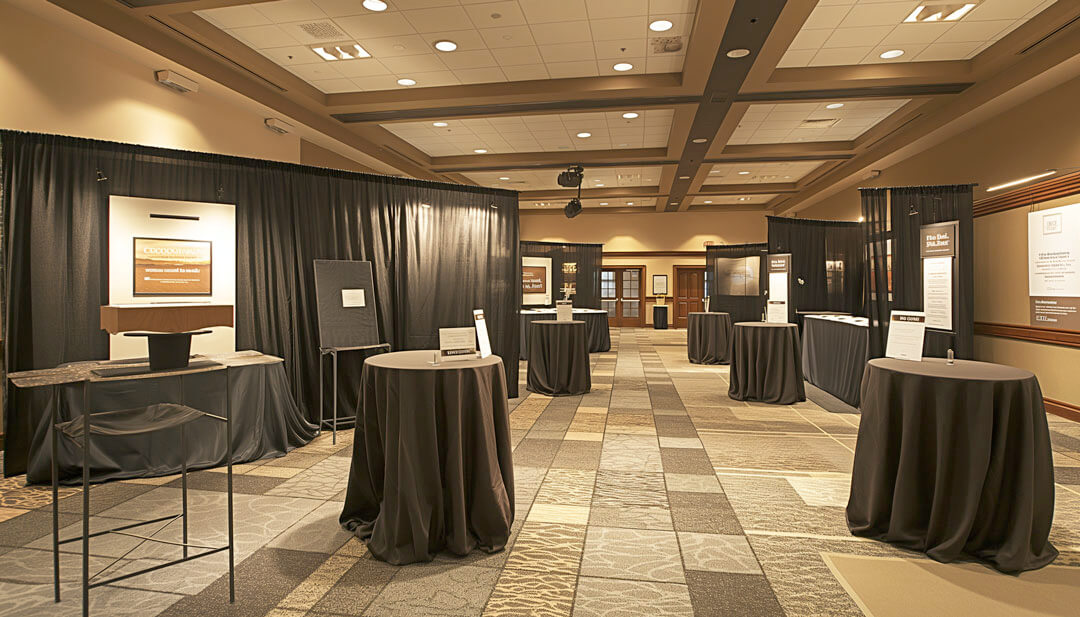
779, 269
1054, 267
482, 333
938, 252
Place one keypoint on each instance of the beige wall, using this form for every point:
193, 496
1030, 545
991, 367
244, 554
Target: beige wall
54, 79
655, 231
1037, 135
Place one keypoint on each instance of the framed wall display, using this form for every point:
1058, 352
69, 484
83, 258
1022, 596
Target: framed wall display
659, 285
345, 291
535, 281
172, 267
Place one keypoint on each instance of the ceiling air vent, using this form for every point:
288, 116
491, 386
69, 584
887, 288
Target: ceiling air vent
322, 30
667, 45
818, 123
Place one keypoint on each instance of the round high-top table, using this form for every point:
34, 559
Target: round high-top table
954, 460
708, 337
558, 358
766, 363
597, 331
432, 467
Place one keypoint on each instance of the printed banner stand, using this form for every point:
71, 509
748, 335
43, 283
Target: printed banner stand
938, 252
482, 333
779, 269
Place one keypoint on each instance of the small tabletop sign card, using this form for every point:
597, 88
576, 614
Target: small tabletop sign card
907, 329
482, 333
457, 343
564, 310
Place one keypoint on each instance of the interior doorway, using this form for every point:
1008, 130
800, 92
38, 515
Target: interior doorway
620, 296
689, 292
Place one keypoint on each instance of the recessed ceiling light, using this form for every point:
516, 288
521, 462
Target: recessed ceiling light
708, 201
738, 53
599, 184
504, 178
939, 12
440, 124
426, 205
340, 51
480, 151
584, 135
405, 81
622, 66
445, 45
892, 53
674, 203
629, 203
603, 203
834, 106
744, 173
744, 199
630, 115
684, 177
699, 140
375, 5
660, 25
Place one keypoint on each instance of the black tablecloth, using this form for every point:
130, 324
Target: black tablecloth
266, 421
596, 330
765, 363
708, 337
558, 362
659, 316
834, 354
954, 460
432, 467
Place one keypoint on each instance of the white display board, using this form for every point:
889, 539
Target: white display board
937, 292
535, 281
188, 223
779, 268
482, 333
1054, 267
907, 331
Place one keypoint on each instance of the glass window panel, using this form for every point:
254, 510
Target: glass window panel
630, 308
609, 306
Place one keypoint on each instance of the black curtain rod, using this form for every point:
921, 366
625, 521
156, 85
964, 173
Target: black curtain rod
918, 186
562, 243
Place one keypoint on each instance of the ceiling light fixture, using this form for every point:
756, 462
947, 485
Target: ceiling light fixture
426, 205
892, 53
708, 201
445, 45
480, 151
929, 13
572, 177
405, 81
744, 173
699, 140
629, 203
622, 66
660, 25
630, 115
375, 5
738, 53
684, 177
440, 124
504, 178
584, 135
573, 208
603, 203
834, 106
1046, 173
176, 81
599, 184
278, 126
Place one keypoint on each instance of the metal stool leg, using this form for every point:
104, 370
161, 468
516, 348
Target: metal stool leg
321, 388
86, 501
55, 439
183, 475
335, 395
229, 458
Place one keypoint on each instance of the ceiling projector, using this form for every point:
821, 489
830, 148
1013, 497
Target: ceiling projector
572, 177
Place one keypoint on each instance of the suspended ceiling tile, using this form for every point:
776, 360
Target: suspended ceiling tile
761, 173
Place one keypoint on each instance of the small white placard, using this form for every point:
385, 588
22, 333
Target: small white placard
776, 312
906, 332
564, 310
482, 333
778, 284
353, 298
457, 343
937, 292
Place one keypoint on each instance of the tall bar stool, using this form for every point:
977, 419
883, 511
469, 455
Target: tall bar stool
137, 421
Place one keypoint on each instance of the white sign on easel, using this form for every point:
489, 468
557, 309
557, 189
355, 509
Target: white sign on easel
482, 333
564, 310
779, 267
907, 329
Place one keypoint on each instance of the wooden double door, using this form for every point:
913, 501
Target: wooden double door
621, 295
689, 292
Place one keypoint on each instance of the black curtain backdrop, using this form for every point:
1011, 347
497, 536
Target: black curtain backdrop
589, 259
741, 308
813, 244
877, 278
432, 265
913, 207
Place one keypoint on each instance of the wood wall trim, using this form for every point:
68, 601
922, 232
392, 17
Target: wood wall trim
1033, 334
1053, 188
627, 254
1063, 409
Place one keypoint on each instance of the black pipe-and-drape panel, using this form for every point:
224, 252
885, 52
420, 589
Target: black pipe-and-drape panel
827, 261
911, 208
737, 279
589, 259
438, 250
877, 278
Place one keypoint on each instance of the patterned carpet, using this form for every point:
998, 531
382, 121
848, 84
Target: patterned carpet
655, 494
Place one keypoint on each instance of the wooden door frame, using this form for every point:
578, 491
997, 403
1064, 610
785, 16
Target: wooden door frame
675, 288
644, 289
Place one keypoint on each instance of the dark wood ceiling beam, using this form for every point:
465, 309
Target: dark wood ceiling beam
862, 93
748, 27
629, 157
608, 192
762, 188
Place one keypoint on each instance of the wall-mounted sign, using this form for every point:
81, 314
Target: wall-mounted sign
535, 281
659, 285
171, 267
779, 269
938, 249
1054, 267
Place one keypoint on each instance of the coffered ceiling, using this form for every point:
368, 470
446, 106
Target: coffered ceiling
723, 104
